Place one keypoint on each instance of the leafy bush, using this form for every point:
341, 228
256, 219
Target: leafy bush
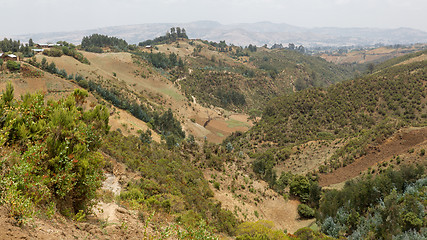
13, 66
54, 146
380, 207
305, 211
53, 52
261, 229
308, 234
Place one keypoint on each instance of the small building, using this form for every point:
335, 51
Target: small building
37, 50
46, 45
42, 45
9, 57
148, 47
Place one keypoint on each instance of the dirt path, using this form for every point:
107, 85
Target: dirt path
399, 143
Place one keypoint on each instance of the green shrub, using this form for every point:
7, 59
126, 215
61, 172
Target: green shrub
13, 66
261, 229
305, 211
53, 52
55, 146
300, 187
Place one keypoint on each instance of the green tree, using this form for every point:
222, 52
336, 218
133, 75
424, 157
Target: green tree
370, 67
30, 42
305, 211
80, 95
7, 95
13, 66
300, 187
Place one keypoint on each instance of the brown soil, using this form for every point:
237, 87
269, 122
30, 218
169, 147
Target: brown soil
372, 55
398, 144
309, 157
259, 203
109, 221
155, 88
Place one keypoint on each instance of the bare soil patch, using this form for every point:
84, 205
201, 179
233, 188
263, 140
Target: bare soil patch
251, 199
399, 143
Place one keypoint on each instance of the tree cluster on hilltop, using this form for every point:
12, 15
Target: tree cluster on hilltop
96, 42
9, 45
172, 36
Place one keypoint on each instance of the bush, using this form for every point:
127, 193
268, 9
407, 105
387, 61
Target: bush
258, 230
53, 52
13, 66
300, 187
55, 150
305, 211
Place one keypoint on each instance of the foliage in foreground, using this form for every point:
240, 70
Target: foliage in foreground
49, 154
169, 182
392, 204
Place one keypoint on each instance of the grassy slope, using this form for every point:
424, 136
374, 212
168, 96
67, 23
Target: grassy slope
138, 80
259, 77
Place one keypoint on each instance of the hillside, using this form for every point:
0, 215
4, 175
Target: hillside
242, 79
329, 128
148, 190
110, 144
370, 55
139, 81
213, 86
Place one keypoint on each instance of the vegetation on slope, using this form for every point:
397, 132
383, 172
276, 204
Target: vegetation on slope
239, 78
95, 43
169, 182
49, 156
367, 110
172, 36
162, 122
13, 46
398, 60
391, 205
307, 71
65, 48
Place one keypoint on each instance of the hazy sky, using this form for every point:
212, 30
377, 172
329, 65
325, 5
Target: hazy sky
34, 16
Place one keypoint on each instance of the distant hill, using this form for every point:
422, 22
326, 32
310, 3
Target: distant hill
248, 33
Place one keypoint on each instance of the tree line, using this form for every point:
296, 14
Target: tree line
170, 36
95, 43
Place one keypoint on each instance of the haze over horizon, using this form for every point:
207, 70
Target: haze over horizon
40, 16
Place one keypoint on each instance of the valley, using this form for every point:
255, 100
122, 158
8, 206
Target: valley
191, 139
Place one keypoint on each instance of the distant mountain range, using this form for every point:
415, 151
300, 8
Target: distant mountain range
243, 34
